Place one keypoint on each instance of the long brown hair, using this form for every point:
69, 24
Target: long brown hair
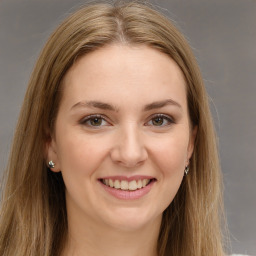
33, 212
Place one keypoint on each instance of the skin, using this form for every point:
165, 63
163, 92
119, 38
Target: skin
129, 140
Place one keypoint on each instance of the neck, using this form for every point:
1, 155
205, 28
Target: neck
92, 239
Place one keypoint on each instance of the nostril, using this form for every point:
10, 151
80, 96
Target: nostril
129, 153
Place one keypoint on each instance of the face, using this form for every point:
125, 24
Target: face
122, 136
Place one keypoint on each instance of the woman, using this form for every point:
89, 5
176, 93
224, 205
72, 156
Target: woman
115, 151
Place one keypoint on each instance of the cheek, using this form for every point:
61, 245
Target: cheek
79, 158
80, 154
170, 159
171, 155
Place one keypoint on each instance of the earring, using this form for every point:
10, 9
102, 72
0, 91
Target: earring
186, 170
51, 164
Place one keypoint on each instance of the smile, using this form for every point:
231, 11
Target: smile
126, 185
131, 188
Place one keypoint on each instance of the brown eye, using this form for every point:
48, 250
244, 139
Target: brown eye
160, 120
96, 121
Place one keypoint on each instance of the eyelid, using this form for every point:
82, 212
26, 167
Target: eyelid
165, 116
87, 118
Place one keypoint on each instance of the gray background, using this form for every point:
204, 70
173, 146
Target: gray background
223, 36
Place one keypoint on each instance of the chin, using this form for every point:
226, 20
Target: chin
130, 219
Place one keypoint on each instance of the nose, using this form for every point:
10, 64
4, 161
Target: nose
129, 149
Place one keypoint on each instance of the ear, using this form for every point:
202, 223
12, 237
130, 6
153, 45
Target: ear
51, 154
191, 143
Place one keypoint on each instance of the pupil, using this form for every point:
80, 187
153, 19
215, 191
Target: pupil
158, 121
96, 121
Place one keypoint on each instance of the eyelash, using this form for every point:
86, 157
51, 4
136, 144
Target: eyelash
91, 117
167, 118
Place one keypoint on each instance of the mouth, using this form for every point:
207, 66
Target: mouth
127, 185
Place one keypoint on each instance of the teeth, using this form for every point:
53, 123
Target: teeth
125, 185
111, 183
139, 184
144, 183
133, 185
117, 184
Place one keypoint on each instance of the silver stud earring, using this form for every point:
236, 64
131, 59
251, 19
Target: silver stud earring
186, 170
51, 164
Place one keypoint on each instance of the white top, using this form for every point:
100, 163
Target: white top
239, 255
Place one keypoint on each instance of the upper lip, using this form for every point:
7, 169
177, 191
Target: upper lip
130, 178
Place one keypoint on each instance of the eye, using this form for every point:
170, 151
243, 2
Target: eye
94, 121
160, 120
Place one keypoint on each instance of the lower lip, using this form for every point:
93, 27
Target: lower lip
128, 194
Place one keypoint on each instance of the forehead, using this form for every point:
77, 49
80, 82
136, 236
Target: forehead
125, 72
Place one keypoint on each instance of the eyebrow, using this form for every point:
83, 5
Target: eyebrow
95, 104
106, 106
161, 104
